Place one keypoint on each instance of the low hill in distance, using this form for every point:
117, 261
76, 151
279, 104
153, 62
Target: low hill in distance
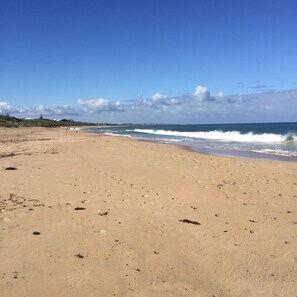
12, 122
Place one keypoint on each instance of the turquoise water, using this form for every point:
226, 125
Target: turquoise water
263, 140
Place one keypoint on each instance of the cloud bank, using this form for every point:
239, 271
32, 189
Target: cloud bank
199, 106
99, 105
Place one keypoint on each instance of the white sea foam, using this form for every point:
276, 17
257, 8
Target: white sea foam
232, 136
119, 135
277, 152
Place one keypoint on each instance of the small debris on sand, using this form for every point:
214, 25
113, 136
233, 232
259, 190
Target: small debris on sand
103, 213
79, 255
79, 208
11, 168
36, 233
189, 222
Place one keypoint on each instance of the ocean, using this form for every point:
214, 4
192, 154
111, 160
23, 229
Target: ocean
256, 140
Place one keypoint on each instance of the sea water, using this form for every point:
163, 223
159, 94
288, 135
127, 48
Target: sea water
256, 140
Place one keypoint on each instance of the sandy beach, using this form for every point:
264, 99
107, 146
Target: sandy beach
91, 215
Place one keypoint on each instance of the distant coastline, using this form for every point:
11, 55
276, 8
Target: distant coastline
13, 122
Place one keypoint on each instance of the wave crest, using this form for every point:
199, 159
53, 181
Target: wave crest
232, 136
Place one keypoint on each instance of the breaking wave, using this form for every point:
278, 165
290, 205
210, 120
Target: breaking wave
231, 136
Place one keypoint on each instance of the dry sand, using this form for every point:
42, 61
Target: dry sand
128, 237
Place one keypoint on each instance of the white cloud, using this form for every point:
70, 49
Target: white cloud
220, 96
158, 96
53, 110
99, 105
37, 110
158, 101
4, 107
202, 94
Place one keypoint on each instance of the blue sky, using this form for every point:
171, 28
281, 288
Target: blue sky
139, 61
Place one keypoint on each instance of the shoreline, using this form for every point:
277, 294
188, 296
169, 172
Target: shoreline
242, 154
84, 213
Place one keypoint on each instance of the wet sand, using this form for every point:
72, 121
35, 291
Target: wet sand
89, 215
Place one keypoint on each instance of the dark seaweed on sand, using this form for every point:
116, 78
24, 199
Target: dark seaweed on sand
189, 222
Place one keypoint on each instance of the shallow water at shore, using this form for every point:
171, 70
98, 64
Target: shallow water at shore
274, 141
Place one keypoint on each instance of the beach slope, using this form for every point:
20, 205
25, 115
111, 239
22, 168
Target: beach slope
89, 215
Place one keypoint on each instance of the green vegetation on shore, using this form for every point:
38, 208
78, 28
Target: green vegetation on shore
12, 122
